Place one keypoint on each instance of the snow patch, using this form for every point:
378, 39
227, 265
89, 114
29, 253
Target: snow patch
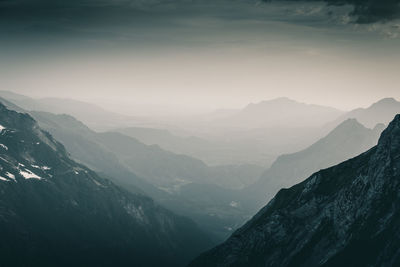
4, 159
97, 183
234, 204
27, 174
10, 175
45, 168
136, 212
4, 146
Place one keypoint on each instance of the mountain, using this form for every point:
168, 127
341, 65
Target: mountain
94, 116
56, 212
281, 112
346, 215
218, 154
162, 168
347, 140
163, 175
379, 112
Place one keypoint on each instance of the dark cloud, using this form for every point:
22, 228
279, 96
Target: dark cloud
157, 22
368, 11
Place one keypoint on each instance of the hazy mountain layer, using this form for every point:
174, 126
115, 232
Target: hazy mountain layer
347, 215
217, 211
56, 212
380, 112
281, 113
94, 116
347, 140
212, 152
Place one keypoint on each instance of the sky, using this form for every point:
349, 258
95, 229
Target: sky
180, 56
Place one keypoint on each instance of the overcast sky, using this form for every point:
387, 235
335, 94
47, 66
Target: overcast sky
196, 55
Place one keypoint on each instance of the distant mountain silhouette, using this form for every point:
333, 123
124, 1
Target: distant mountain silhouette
281, 112
379, 112
216, 154
346, 215
347, 140
94, 116
147, 130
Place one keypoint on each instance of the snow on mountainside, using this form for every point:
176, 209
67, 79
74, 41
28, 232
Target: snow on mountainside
56, 212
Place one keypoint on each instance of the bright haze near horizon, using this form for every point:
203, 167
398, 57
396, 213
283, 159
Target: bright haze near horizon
157, 58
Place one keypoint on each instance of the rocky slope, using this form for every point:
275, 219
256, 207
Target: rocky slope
346, 215
56, 212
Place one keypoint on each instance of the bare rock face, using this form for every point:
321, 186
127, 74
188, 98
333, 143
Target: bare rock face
346, 215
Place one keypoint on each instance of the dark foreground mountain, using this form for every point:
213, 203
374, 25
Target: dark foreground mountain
347, 140
56, 212
347, 215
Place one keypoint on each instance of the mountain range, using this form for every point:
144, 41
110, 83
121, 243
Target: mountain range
181, 183
93, 115
281, 112
347, 140
380, 112
218, 198
57, 212
346, 215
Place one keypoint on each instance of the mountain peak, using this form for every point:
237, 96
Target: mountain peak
283, 98
385, 102
279, 100
351, 122
349, 125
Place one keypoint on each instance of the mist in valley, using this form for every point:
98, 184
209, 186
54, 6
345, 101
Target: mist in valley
184, 127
